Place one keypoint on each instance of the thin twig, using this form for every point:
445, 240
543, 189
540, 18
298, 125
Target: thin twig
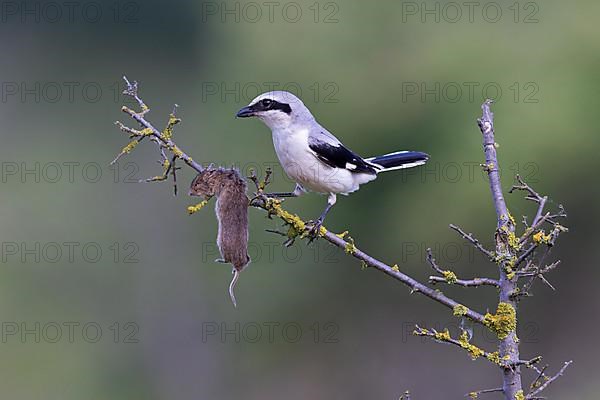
475, 282
476, 394
132, 90
474, 242
541, 376
450, 278
532, 195
533, 394
525, 254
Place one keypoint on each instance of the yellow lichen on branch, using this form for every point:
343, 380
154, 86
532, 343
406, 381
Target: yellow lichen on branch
474, 351
350, 246
503, 322
463, 342
512, 239
167, 133
450, 277
195, 208
541, 238
298, 228
273, 207
130, 146
460, 310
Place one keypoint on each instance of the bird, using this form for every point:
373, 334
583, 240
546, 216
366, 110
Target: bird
313, 157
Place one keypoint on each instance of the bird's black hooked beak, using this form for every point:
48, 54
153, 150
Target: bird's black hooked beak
246, 112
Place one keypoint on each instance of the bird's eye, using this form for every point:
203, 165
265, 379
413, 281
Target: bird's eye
266, 103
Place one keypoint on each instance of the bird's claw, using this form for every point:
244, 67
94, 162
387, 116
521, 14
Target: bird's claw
314, 230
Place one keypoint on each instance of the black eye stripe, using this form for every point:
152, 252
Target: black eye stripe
269, 104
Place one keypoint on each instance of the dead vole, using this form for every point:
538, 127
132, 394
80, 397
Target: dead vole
232, 214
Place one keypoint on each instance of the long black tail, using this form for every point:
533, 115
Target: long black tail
398, 160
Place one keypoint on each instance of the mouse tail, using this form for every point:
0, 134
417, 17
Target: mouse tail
234, 280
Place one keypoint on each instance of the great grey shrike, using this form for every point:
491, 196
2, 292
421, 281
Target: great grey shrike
315, 159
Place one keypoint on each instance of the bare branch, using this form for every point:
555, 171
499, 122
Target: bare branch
475, 394
542, 387
486, 125
525, 254
474, 242
533, 271
132, 90
532, 195
475, 282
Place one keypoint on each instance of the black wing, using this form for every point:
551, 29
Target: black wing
338, 156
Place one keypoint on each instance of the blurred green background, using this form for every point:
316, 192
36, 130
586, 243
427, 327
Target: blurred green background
108, 289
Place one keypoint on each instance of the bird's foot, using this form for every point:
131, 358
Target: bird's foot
314, 230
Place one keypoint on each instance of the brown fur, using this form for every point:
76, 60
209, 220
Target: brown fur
232, 214
231, 210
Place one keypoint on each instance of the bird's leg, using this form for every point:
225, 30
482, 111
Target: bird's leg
316, 225
298, 190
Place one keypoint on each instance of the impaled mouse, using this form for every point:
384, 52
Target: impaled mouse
231, 210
